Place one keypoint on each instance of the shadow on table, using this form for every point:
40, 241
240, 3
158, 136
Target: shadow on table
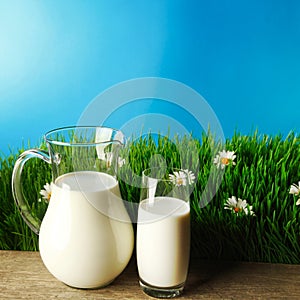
204, 274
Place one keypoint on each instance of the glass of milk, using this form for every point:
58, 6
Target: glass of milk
163, 231
86, 236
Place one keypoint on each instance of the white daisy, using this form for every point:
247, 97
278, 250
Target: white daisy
178, 178
238, 206
182, 177
224, 158
295, 189
46, 193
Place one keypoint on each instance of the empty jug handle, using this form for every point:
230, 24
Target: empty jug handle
32, 221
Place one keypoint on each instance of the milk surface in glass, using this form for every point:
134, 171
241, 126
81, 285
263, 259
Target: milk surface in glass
163, 241
86, 238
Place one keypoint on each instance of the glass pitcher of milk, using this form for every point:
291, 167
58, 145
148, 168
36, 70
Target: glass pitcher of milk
86, 236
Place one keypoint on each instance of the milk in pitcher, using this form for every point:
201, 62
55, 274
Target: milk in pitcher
86, 237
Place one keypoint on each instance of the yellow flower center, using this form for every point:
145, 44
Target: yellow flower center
225, 160
49, 196
179, 181
237, 209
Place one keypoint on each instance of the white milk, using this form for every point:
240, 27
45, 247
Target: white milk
163, 241
80, 245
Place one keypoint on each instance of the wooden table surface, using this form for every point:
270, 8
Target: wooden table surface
23, 276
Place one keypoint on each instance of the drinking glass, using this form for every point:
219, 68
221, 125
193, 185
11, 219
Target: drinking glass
163, 231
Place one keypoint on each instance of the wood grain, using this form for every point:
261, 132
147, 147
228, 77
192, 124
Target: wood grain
23, 276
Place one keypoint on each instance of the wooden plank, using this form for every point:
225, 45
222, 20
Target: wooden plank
23, 276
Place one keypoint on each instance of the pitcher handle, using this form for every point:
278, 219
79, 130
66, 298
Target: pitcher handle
32, 221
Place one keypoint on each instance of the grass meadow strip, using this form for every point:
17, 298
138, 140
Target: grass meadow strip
261, 174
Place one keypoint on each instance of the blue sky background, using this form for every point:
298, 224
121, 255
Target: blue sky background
243, 57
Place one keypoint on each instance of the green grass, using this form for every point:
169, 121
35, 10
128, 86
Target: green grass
266, 166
